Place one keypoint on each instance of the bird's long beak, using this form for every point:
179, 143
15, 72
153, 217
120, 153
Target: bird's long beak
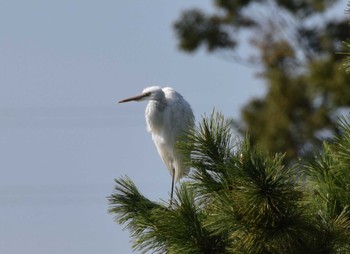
134, 98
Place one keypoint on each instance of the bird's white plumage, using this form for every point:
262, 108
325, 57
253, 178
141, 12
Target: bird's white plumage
168, 116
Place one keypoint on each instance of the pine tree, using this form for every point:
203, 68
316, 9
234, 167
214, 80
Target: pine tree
239, 198
293, 47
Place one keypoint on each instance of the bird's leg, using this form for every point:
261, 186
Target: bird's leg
172, 187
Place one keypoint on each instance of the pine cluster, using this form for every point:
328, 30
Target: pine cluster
238, 198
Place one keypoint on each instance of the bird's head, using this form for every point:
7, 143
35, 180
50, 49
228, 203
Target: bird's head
149, 93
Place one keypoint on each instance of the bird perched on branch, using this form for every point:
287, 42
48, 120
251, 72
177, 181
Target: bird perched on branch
168, 117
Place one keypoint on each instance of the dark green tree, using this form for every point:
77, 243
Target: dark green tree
347, 48
294, 50
239, 198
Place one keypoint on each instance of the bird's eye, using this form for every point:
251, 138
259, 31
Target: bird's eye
148, 94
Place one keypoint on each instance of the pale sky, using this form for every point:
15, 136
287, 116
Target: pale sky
63, 138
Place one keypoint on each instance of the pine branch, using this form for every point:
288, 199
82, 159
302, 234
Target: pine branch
210, 146
329, 173
183, 226
343, 142
332, 233
136, 211
241, 199
329, 178
262, 211
155, 228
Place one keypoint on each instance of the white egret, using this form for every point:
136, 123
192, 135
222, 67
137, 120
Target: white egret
168, 117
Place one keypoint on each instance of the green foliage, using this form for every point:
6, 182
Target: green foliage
328, 176
207, 31
161, 229
136, 211
210, 148
346, 46
347, 60
296, 52
239, 198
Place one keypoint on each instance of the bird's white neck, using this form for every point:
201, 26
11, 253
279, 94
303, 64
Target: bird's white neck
154, 115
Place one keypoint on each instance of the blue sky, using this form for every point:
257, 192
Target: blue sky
63, 138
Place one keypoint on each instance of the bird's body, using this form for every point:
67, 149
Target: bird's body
168, 117
167, 120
